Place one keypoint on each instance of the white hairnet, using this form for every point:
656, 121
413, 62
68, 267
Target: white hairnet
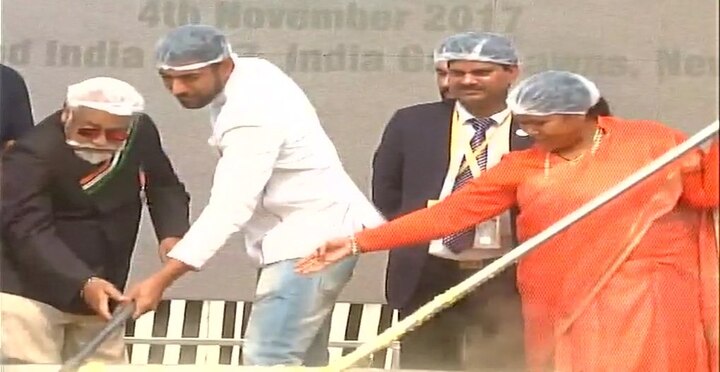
477, 46
191, 47
438, 52
106, 94
554, 92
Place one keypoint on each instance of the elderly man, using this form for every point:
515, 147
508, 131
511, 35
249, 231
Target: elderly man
279, 180
426, 152
70, 214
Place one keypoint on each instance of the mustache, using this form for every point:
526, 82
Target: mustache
470, 88
84, 147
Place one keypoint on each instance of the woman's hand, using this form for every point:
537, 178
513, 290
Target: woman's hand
332, 251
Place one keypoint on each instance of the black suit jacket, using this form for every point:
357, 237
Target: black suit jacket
15, 110
409, 168
55, 235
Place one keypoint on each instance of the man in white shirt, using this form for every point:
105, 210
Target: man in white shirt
279, 181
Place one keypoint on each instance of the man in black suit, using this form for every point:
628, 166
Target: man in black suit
15, 111
70, 215
422, 157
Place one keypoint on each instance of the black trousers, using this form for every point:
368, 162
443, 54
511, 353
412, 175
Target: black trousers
482, 332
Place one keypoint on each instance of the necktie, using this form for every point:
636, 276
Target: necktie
463, 240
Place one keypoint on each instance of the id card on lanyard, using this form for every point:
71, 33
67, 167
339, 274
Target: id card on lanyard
487, 234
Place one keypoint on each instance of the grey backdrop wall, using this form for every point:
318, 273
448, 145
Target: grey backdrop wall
359, 61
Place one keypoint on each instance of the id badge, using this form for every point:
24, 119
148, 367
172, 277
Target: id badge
487, 235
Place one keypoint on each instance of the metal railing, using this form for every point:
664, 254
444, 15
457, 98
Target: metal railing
208, 341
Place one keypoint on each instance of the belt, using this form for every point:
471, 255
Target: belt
475, 264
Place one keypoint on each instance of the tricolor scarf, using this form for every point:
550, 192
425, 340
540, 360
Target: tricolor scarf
99, 176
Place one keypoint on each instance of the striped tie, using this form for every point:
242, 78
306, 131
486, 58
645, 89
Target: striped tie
463, 240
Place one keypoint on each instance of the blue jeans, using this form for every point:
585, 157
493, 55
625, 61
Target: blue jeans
290, 319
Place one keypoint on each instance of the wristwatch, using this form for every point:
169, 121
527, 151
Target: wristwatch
88, 281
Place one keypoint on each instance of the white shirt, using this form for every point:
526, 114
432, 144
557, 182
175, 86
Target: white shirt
279, 179
498, 137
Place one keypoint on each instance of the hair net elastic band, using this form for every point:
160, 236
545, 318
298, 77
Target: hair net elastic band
192, 66
474, 58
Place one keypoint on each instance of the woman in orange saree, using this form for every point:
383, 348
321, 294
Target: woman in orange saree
632, 286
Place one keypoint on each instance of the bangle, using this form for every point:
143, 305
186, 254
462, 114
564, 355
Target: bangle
354, 247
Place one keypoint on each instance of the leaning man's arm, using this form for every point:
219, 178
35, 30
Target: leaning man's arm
248, 157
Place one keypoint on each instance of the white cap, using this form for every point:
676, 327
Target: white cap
106, 94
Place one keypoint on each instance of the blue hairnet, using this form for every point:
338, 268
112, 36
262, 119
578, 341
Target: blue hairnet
477, 46
191, 47
554, 92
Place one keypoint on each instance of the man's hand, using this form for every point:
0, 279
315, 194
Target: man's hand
97, 294
166, 245
147, 294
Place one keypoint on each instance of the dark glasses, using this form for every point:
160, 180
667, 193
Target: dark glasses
113, 135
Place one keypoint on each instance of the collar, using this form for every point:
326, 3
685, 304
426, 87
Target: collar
464, 115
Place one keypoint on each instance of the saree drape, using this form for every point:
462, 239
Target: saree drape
630, 287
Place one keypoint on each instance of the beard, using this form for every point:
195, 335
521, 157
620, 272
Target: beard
93, 157
200, 99
196, 103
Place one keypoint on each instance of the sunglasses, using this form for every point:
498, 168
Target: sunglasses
113, 135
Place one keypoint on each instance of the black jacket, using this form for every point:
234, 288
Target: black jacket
15, 111
55, 235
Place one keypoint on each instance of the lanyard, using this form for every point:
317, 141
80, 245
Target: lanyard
457, 140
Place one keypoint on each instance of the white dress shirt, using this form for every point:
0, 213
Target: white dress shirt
498, 137
279, 179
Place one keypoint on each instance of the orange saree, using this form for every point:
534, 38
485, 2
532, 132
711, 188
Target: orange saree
630, 287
